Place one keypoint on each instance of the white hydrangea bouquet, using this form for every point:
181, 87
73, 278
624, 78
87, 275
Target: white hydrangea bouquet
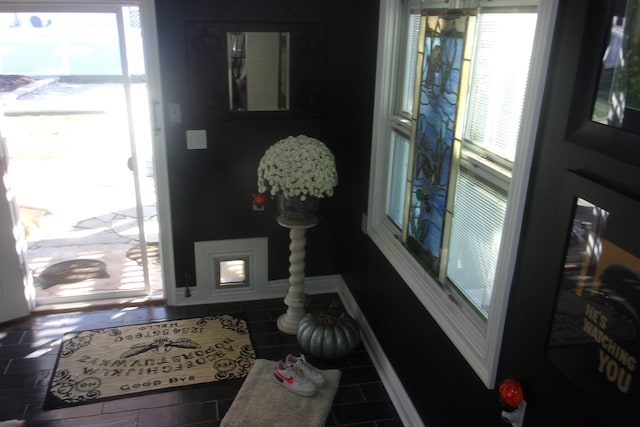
298, 166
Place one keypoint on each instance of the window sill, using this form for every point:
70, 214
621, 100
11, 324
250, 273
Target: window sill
451, 314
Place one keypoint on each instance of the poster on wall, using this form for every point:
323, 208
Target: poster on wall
594, 337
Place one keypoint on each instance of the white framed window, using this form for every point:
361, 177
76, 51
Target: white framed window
449, 222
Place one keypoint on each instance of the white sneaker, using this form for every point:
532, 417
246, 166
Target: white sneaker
306, 369
293, 380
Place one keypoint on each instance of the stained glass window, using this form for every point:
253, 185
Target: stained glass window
442, 60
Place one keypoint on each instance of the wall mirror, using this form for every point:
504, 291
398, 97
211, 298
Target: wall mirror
250, 70
258, 70
617, 101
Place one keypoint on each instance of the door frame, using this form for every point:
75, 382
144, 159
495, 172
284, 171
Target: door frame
152, 67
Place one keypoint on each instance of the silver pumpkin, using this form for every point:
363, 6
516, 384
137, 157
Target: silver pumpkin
328, 337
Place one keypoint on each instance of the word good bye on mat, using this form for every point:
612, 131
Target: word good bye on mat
111, 363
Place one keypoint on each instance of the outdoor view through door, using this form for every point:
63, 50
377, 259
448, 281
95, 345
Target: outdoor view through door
77, 127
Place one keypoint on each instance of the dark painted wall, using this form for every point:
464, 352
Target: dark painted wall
609, 160
211, 190
444, 389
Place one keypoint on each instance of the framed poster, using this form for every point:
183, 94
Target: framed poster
594, 338
604, 114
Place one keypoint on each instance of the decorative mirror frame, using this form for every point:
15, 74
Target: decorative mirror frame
614, 142
208, 72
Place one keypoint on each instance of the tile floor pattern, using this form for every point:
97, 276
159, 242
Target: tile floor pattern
28, 351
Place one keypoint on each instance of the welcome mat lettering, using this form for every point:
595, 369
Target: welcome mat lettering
113, 362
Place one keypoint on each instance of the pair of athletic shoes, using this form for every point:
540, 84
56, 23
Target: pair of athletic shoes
298, 376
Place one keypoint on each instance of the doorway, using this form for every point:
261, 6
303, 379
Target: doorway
78, 129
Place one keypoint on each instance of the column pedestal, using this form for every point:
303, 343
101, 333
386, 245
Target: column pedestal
295, 299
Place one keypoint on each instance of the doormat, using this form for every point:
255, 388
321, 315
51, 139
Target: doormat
73, 271
111, 363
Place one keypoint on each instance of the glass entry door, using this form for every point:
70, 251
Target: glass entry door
79, 136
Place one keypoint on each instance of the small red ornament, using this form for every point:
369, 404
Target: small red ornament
259, 199
511, 393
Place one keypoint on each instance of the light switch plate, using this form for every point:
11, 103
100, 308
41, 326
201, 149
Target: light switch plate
196, 140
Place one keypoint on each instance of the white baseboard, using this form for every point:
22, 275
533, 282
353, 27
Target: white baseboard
273, 289
399, 397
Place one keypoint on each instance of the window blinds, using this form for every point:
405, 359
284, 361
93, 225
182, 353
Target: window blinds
500, 71
475, 238
497, 90
398, 178
411, 62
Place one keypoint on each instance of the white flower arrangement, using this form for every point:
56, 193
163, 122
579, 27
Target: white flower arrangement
298, 166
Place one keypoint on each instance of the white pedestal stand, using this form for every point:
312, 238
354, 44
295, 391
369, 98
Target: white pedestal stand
295, 299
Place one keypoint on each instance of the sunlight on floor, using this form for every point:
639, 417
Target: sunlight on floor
123, 312
47, 339
82, 288
38, 353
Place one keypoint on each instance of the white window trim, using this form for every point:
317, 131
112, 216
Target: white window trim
479, 343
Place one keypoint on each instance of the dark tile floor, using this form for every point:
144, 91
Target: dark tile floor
28, 351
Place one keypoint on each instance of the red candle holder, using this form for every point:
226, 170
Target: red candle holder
258, 200
511, 393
